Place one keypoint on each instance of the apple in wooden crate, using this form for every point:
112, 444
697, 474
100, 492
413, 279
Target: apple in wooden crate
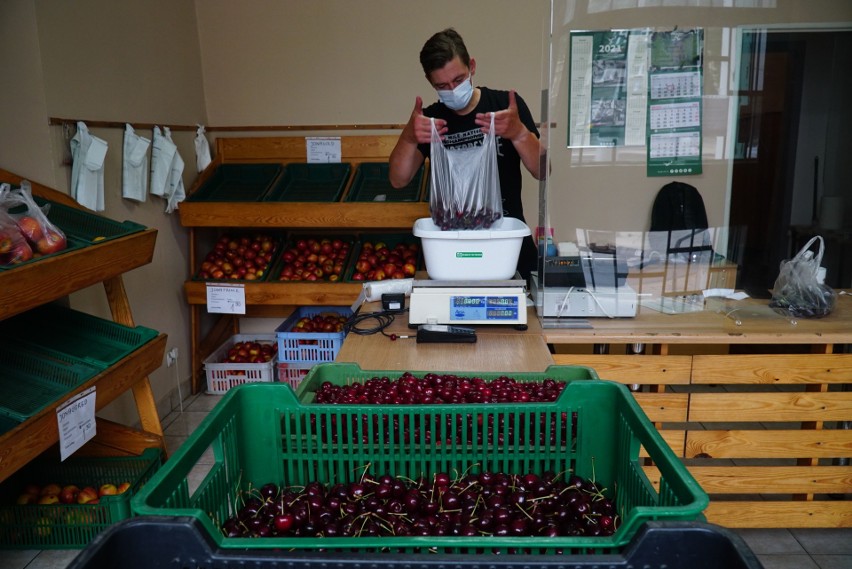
314, 259
245, 256
377, 261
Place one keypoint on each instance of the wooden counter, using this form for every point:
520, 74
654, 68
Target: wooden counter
759, 411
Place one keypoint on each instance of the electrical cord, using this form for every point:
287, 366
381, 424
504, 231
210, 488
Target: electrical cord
383, 318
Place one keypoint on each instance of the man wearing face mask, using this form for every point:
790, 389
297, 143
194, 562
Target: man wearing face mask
462, 117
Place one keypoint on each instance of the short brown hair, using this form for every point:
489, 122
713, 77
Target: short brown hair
441, 48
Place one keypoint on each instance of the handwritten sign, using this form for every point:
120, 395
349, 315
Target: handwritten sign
226, 299
76, 422
323, 149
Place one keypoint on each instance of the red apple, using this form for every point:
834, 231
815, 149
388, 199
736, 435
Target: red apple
30, 227
107, 489
68, 495
87, 495
51, 490
123, 487
52, 242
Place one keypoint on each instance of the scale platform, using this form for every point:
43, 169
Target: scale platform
468, 302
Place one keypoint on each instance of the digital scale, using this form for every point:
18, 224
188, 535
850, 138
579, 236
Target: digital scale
468, 302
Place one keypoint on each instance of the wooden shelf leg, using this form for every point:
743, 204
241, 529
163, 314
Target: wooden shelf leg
142, 393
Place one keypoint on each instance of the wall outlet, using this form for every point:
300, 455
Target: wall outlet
171, 357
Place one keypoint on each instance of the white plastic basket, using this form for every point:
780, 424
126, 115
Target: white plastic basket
292, 374
221, 376
478, 254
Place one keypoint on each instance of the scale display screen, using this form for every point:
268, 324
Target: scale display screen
465, 308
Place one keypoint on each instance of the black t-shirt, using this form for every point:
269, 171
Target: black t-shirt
463, 131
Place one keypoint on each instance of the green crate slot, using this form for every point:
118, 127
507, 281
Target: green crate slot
311, 183
348, 373
371, 181
30, 381
72, 245
99, 342
391, 240
70, 526
260, 433
238, 183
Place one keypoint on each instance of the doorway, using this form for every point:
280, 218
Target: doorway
793, 145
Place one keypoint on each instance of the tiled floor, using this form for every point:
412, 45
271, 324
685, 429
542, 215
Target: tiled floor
776, 548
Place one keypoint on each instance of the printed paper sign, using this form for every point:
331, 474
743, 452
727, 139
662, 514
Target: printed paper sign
76, 422
323, 149
226, 299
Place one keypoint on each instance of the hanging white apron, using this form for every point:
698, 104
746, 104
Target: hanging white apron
175, 191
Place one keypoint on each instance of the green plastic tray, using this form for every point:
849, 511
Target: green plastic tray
31, 381
70, 526
238, 183
311, 183
7, 422
72, 243
99, 342
371, 182
88, 227
260, 433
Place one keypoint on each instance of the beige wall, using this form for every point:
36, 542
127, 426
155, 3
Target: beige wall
112, 61
280, 62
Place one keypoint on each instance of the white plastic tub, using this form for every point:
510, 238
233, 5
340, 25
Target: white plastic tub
480, 254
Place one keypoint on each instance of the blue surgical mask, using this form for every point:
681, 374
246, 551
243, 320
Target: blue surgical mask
458, 98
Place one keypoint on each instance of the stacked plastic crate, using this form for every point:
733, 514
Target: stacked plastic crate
299, 351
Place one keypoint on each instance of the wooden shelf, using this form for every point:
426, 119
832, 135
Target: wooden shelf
34, 436
52, 278
274, 298
303, 215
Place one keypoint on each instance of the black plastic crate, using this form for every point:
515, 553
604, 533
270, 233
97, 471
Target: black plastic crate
371, 184
303, 182
181, 542
238, 183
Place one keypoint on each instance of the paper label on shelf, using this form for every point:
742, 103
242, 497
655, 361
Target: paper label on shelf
226, 299
76, 422
323, 149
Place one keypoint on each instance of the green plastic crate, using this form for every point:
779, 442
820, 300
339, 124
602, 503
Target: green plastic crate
347, 373
70, 526
311, 183
32, 380
371, 182
238, 183
96, 341
260, 433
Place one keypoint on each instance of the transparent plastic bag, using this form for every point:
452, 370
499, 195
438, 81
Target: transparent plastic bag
43, 235
798, 290
14, 248
465, 184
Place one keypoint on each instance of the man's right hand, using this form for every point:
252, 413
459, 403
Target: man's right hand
419, 127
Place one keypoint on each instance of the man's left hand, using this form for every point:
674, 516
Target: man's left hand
507, 123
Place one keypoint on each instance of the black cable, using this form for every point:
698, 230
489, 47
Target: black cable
383, 319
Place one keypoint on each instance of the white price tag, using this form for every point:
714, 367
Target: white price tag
76, 422
226, 299
323, 149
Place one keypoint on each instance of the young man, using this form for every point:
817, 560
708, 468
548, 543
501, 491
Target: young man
462, 117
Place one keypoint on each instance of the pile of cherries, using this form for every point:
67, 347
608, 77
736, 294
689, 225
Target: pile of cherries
448, 218
444, 427
434, 388
483, 504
